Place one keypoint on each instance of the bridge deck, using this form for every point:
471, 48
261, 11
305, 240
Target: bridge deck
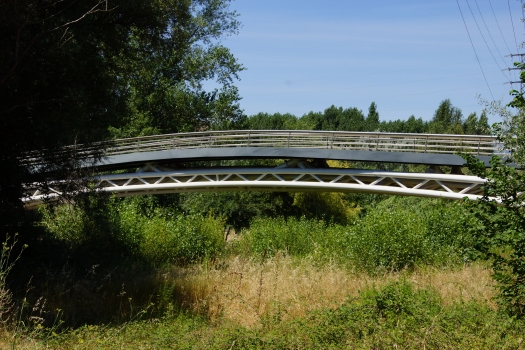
430, 149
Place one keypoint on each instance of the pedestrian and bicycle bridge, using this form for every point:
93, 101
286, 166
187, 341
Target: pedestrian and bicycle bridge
198, 161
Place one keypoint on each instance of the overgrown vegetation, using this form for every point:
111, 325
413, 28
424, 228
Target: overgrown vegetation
232, 269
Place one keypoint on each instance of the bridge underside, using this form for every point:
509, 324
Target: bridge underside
152, 180
138, 159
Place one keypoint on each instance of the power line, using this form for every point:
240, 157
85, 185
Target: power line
490, 35
473, 48
480, 32
502, 36
522, 12
512, 22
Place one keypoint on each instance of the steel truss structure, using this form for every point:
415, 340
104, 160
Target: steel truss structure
158, 181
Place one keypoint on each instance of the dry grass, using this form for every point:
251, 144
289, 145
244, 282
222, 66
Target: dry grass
245, 291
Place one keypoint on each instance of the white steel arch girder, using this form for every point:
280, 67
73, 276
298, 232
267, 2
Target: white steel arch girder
285, 179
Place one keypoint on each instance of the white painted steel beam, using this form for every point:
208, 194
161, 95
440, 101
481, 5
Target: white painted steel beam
281, 179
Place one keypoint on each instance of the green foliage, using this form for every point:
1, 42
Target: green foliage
499, 232
238, 208
396, 234
77, 73
372, 119
337, 118
447, 119
293, 236
180, 239
390, 239
327, 206
399, 315
277, 121
107, 229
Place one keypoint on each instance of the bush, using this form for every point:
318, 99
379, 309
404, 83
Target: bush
390, 239
181, 239
137, 229
327, 206
293, 236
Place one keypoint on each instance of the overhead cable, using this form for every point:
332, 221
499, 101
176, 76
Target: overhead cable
473, 48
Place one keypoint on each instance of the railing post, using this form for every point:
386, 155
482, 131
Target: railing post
288, 145
249, 135
426, 144
479, 141
377, 142
332, 142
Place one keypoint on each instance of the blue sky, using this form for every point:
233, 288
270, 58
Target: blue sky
407, 56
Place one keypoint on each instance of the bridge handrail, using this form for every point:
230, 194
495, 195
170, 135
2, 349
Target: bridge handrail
345, 140
337, 140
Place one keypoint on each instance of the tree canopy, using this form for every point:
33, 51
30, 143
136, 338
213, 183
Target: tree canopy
75, 72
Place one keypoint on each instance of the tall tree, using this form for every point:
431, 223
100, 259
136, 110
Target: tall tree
72, 70
372, 119
447, 119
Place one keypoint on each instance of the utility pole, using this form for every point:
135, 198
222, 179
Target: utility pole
522, 60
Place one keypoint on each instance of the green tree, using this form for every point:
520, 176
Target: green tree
239, 208
470, 126
372, 119
76, 72
500, 229
447, 119
277, 121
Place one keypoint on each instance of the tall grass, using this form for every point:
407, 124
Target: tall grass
282, 304
390, 237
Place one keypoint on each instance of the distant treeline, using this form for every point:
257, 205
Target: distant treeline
447, 120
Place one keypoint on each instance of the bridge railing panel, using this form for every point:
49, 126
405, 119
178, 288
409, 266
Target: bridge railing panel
363, 141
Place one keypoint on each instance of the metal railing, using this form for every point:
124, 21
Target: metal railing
337, 140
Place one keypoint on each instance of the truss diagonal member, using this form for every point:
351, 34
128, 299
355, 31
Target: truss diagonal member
423, 183
377, 181
316, 177
192, 178
159, 180
242, 177
337, 179
109, 182
174, 179
127, 182
357, 180
226, 177
445, 187
298, 178
398, 182
278, 177
260, 177
465, 190
144, 181
208, 178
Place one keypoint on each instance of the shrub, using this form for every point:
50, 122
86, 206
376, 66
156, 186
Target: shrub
389, 240
294, 236
112, 229
327, 206
181, 238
